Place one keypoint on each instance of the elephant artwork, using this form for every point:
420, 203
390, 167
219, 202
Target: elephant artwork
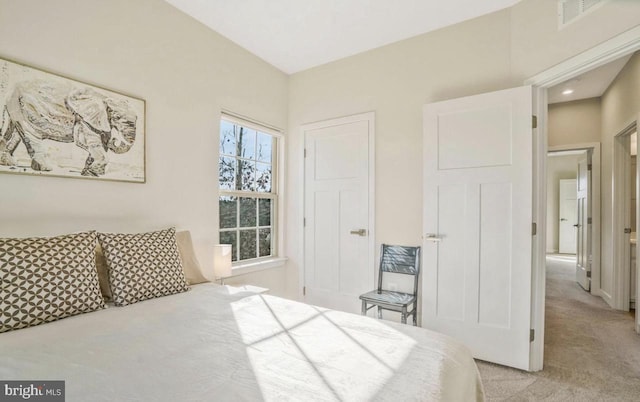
38, 110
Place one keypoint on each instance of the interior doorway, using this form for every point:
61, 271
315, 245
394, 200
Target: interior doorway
573, 209
626, 208
623, 45
568, 214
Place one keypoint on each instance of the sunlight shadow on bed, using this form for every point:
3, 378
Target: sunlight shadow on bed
183, 347
334, 355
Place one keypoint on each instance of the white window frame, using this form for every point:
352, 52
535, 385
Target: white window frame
277, 174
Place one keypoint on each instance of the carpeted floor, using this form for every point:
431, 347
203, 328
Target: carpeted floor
591, 351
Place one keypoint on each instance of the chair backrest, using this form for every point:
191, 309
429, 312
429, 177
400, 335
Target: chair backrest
400, 260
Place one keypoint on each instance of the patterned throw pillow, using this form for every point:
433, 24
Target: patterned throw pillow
47, 278
142, 266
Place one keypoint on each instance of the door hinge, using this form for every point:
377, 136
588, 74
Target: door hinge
627, 230
304, 222
305, 152
532, 335
589, 221
304, 290
534, 229
589, 167
534, 121
588, 274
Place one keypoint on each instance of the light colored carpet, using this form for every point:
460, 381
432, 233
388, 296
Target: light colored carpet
591, 351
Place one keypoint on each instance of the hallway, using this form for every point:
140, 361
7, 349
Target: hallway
591, 351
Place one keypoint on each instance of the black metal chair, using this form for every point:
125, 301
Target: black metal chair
398, 260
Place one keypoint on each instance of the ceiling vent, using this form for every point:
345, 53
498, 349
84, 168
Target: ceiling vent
572, 10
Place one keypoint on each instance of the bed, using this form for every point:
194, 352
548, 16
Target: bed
217, 343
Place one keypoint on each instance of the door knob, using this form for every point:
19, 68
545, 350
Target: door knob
432, 238
359, 232
576, 225
563, 220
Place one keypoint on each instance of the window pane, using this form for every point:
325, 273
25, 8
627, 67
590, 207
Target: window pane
247, 141
227, 173
230, 238
228, 212
263, 178
227, 138
264, 242
265, 145
247, 212
248, 176
248, 244
264, 212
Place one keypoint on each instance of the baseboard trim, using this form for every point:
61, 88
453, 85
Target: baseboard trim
607, 297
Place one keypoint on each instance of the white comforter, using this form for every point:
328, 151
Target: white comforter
210, 344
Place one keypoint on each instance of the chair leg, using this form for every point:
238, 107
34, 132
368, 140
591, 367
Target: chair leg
404, 314
379, 312
415, 314
364, 307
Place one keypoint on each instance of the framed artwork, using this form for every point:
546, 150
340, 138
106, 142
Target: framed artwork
56, 126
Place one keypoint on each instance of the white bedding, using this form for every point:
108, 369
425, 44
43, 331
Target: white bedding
210, 344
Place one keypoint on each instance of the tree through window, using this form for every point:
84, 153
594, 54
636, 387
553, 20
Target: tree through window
247, 189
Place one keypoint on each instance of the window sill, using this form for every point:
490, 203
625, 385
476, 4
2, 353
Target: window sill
255, 266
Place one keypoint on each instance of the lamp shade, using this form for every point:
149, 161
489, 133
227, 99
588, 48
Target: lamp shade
222, 260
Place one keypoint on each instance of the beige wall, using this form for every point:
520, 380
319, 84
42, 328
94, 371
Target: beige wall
538, 44
620, 107
395, 82
187, 73
184, 71
558, 168
485, 54
574, 122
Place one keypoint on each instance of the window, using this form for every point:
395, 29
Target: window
248, 188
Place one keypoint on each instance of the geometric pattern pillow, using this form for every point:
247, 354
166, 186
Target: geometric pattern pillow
142, 266
45, 279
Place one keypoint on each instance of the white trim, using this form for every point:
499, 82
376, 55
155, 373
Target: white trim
370, 118
243, 268
281, 166
249, 122
615, 48
620, 210
539, 216
612, 49
595, 200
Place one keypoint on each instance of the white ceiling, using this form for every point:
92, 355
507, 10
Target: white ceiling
295, 35
591, 84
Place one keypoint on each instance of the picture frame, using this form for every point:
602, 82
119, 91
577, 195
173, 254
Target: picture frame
52, 125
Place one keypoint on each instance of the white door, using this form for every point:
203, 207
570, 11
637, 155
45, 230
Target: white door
338, 242
477, 223
583, 260
567, 202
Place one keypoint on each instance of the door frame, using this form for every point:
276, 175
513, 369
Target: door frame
562, 193
369, 117
595, 200
621, 214
621, 45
